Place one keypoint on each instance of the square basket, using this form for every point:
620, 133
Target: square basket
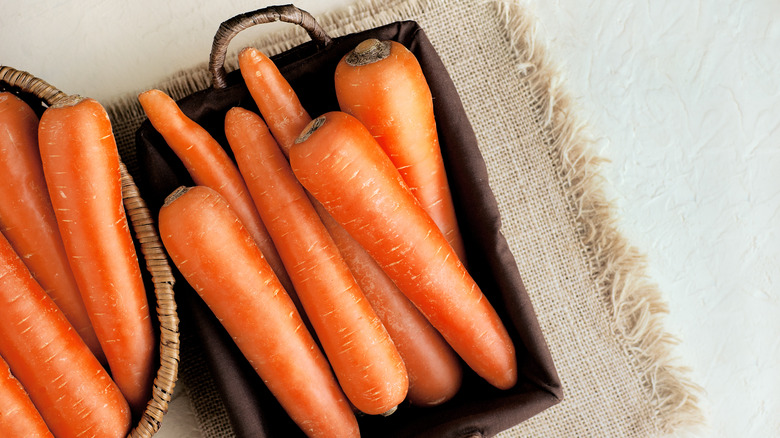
478, 410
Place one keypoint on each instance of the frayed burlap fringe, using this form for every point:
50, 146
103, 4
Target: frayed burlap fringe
635, 304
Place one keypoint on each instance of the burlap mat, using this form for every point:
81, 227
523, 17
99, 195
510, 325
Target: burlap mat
601, 315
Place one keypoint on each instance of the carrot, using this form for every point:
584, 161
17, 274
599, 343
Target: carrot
363, 357
382, 85
27, 218
209, 165
274, 97
72, 391
216, 255
343, 167
81, 166
434, 370
18, 415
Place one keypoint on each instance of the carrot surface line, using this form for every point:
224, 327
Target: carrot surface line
18, 415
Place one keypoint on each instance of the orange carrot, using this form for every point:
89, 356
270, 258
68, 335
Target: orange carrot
274, 97
342, 166
72, 391
18, 416
363, 357
382, 85
27, 218
81, 166
217, 256
209, 165
434, 370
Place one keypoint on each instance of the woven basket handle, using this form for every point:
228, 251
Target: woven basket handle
228, 29
31, 84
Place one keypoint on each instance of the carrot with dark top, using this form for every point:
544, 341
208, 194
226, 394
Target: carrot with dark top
27, 218
382, 85
82, 169
364, 358
217, 256
209, 165
66, 383
343, 167
18, 415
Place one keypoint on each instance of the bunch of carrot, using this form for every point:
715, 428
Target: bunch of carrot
345, 222
76, 337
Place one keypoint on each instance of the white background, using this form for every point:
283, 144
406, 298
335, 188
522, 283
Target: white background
683, 99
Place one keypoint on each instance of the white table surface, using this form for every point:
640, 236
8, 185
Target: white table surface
683, 99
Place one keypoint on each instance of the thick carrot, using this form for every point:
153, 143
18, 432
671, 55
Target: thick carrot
81, 166
18, 415
209, 165
216, 255
72, 391
275, 98
382, 85
27, 218
341, 165
358, 347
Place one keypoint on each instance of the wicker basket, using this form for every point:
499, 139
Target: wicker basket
478, 409
38, 92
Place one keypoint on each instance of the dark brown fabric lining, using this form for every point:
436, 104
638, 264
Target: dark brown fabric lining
478, 407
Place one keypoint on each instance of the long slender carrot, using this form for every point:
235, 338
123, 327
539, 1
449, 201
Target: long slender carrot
81, 165
27, 218
341, 164
275, 98
18, 415
209, 165
382, 85
72, 391
216, 255
364, 358
434, 370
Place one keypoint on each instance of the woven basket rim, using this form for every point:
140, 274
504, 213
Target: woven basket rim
157, 264
232, 26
